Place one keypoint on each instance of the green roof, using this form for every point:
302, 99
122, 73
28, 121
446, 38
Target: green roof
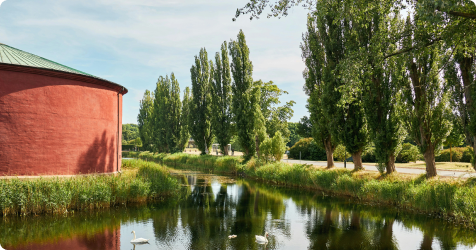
10, 55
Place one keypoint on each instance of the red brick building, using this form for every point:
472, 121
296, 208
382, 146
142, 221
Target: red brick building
55, 119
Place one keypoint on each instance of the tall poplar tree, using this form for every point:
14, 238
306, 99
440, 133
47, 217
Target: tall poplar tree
201, 104
184, 120
425, 108
460, 76
242, 103
174, 106
313, 55
221, 95
144, 120
376, 79
161, 102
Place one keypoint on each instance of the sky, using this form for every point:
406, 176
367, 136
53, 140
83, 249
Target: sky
133, 42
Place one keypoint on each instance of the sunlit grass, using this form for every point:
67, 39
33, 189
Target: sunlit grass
146, 180
461, 166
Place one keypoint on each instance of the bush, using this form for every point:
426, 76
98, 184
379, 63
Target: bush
409, 153
340, 154
369, 155
278, 146
467, 154
309, 150
445, 155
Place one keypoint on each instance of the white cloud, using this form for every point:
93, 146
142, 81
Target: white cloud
135, 41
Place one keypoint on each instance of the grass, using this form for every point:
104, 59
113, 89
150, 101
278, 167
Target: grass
459, 166
145, 181
453, 199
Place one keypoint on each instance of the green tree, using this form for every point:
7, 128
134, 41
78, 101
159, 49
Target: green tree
304, 127
460, 77
221, 95
313, 55
145, 121
425, 102
184, 120
201, 103
161, 102
456, 137
130, 131
345, 112
266, 149
293, 134
173, 110
367, 73
278, 146
242, 105
276, 117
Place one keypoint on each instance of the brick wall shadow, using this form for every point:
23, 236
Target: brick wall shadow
99, 157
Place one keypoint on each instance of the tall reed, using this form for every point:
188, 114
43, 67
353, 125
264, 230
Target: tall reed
61, 195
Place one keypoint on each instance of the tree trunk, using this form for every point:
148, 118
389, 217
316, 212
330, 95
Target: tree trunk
430, 162
451, 154
329, 154
474, 152
391, 164
357, 157
257, 145
426, 242
225, 150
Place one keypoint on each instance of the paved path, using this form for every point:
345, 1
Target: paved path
372, 167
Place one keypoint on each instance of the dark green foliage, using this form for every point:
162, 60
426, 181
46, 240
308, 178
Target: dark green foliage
460, 154
201, 104
167, 119
304, 127
314, 57
145, 120
309, 150
293, 134
409, 153
369, 155
460, 77
174, 108
275, 117
161, 102
130, 132
242, 104
221, 94
184, 120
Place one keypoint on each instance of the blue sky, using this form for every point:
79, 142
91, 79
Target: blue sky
133, 42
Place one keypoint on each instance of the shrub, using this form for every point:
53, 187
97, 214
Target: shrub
309, 149
265, 149
369, 155
278, 146
340, 154
409, 153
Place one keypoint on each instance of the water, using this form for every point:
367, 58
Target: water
216, 207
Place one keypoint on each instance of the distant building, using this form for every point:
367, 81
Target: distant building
55, 119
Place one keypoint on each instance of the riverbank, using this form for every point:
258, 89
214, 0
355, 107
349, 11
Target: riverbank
452, 199
140, 181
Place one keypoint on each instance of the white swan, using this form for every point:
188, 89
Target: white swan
262, 239
1, 248
139, 240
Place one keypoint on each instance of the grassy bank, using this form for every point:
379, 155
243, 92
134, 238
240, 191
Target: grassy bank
139, 182
452, 199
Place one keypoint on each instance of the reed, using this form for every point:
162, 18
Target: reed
452, 199
63, 195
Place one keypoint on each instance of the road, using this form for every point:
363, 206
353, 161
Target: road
372, 167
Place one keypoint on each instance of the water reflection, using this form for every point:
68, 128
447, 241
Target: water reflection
213, 209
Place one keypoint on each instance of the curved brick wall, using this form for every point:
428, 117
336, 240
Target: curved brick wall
58, 123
